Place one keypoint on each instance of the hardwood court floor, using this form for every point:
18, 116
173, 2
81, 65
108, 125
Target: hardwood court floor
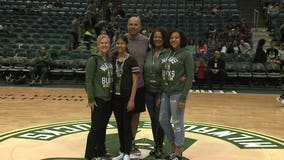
27, 107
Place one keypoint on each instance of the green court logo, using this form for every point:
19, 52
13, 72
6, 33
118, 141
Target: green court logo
239, 138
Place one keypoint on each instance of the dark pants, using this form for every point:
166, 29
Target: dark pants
201, 83
220, 77
154, 112
123, 120
75, 40
39, 70
97, 135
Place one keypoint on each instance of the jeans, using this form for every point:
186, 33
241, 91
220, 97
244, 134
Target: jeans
169, 109
154, 111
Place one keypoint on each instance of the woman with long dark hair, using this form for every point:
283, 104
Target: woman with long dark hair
126, 71
159, 47
175, 65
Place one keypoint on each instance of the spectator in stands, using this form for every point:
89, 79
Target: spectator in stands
272, 13
148, 14
217, 9
201, 73
213, 39
191, 46
234, 48
245, 47
201, 47
245, 32
216, 71
76, 31
231, 31
111, 27
211, 31
260, 54
41, 64
90, 19
273, 54
110, 11
120, 12
89, 38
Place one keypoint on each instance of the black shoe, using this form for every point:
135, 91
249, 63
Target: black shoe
107, 156
152, 152
169, 155
158, 153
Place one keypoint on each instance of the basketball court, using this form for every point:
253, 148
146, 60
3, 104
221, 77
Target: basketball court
52, 124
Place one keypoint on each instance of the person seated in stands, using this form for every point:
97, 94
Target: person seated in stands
120, 12
260, 54
217, 9
245, 47
234, 48
148, 13
212, 37
273, 54
245, 32
216, 71
191, 46
41, 64
201, 47
201, 77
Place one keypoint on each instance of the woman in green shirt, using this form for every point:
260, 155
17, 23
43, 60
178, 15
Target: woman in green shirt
176, 65
152, 82
99, 78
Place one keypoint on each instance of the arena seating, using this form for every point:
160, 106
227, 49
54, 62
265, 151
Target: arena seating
50, 27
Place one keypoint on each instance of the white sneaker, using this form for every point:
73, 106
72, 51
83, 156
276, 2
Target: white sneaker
119, 157
280, 100
126, 157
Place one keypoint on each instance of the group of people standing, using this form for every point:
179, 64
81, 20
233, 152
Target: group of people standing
124, 81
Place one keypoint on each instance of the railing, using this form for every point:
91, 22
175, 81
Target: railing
255, 18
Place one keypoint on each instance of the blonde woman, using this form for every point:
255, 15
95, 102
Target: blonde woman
99, 77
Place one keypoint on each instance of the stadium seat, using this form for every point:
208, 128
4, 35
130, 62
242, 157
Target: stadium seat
258, 73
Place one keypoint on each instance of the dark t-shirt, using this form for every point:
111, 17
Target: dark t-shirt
123, 78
